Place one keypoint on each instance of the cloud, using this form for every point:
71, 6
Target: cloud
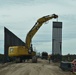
69, 46
4, 16
43, 46
1, 33
21, 2
19, 16
20, 13
1, 46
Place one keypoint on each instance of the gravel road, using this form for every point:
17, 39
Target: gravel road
27, 68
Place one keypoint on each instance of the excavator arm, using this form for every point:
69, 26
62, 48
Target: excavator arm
25, 52
36, 27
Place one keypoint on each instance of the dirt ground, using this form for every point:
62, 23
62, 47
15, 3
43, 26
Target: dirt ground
27, 68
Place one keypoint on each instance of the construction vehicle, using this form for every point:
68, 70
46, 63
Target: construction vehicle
44, 55
26, 52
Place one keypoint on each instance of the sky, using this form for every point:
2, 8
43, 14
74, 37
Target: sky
19, 16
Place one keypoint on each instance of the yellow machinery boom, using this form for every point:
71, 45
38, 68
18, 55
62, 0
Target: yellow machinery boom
23, 51
36, 27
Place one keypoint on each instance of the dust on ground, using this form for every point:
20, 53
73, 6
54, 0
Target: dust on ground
27, 68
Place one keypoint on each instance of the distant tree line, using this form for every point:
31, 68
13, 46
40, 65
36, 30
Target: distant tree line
68, 57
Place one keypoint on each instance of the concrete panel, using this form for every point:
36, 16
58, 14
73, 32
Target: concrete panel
10, 39
57, 38
57, 24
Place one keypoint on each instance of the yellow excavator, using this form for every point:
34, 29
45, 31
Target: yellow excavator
26, 52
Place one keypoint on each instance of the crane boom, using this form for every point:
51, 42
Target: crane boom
36, 27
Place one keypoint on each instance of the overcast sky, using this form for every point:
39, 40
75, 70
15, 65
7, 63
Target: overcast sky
19, 16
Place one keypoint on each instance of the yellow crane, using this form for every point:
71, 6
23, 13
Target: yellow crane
26, 52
